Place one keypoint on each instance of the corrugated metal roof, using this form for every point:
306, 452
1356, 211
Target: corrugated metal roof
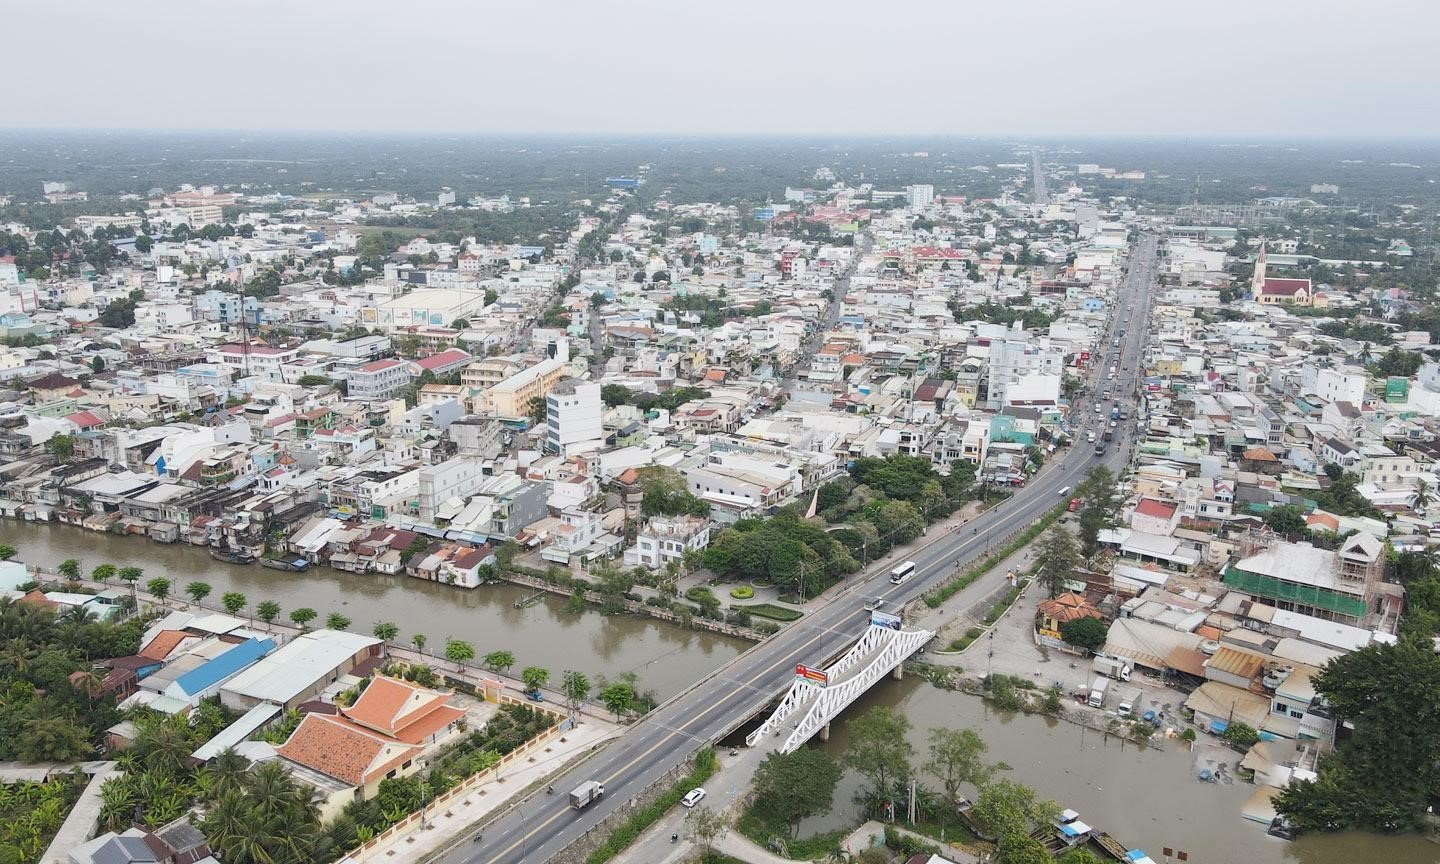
213, 672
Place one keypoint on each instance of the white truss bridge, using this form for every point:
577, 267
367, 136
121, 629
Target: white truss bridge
810, 706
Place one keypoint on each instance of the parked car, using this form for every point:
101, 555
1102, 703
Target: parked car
693, 797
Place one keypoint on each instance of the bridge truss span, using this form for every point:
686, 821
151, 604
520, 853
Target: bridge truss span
811, 704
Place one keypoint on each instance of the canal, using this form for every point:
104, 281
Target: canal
665, 658
1145, 798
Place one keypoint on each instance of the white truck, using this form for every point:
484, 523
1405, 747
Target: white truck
1097, 692
1129, 703
1111, 667
582, 795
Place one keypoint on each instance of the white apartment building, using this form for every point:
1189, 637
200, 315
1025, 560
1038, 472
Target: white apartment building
573, 414
1012, 360
453, 478
379, 379
920, 195
1333, 385
259, 360
664, 540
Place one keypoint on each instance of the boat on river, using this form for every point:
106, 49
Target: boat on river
231, 556
288, 565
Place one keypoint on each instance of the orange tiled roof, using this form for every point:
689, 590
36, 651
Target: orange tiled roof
340, 749
1068, 607
164, 642
401, 710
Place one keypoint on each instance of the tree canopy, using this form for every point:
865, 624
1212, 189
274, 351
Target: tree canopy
1385, 775
791, 786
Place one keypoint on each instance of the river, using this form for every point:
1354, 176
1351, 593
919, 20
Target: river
665, 658
1145, 798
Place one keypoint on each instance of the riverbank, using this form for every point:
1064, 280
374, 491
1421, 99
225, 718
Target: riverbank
665, 658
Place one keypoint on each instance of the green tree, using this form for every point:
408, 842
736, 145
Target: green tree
130, 575
1088, 633
303, 616
1056, 560
197, 591
52, 739
1287, 520
62, 447
143, 243
336, 621
1006, 807
1100, 508
458, 652
6, 551
534, 677
385, 631
70, 569
576, 688
267, 611
499, 661
791, 786
705, 827
957, 758
1383, 777
879, 750
617, 697
233, 601
159, 588
418, 640
103, 573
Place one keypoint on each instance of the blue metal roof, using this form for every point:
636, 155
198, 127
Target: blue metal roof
209, 674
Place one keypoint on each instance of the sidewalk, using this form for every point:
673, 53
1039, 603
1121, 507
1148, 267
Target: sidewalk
455, 823
725, 793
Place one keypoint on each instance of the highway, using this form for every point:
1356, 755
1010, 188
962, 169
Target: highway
536, 829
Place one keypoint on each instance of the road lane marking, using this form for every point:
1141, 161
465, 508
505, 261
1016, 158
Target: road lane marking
664, 739
749, 684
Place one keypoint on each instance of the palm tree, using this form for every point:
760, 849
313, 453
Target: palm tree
91, 683
226, 771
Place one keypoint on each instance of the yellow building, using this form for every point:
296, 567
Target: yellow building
510, 399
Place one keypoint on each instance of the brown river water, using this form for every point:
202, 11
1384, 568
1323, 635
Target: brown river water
1146, 798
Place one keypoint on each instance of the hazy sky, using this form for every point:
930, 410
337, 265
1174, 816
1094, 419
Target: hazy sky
1005, 67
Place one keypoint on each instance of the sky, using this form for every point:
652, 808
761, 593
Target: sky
1220, 68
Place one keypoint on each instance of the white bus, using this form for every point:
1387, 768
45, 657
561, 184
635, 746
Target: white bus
902, 573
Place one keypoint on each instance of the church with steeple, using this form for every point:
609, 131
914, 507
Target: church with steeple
1275, 291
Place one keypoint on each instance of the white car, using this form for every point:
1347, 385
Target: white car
693, 797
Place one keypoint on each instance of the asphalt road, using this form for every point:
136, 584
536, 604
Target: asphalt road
534, 830
832, 312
